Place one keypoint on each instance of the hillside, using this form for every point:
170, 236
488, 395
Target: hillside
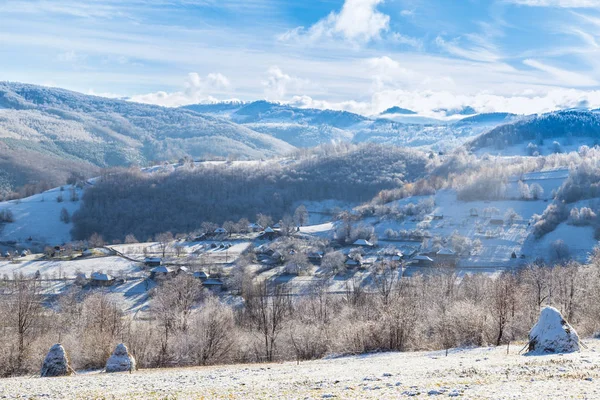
180, 200
41, 127
475, 373
555, 132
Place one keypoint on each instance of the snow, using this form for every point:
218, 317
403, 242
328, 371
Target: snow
488, 373
70, 268
120, 360
322, 230
567, 145
38, 217
552, 334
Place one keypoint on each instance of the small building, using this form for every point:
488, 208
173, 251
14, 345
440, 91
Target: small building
153, 261
368, 261
269, 233
199, 238
201, 275
352, 263
497, 221
213, 284
363, 243
315, 257
446, 256
183, 270
438, 216
161, 271
101, 279
220, 231
254, 227
422, 261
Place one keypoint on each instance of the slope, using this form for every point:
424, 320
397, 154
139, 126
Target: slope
93, 131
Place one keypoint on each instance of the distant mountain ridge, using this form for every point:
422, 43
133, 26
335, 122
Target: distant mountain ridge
565, 125
40, 126
308, 127
398, 110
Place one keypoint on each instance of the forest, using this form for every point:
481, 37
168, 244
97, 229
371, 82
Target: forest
179, 200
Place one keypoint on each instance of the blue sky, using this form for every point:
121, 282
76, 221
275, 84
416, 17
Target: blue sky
361, 55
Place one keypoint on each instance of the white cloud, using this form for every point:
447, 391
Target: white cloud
565, 77
407, 40
557, 3
279, 83
479, 50
195, 90
424, 102
358, 21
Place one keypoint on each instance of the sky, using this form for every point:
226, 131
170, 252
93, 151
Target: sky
521, 56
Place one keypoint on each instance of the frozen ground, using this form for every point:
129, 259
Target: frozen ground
484, 373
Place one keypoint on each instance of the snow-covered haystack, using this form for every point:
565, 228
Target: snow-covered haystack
56, 362
120, 360
552, 334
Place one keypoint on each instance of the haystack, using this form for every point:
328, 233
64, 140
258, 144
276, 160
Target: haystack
120, 360
56, 362
552, 334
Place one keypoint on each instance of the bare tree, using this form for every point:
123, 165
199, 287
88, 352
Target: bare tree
22, 311
267, 311
213, 332
301, 215
164, 241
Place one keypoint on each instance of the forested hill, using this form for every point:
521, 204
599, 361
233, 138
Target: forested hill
40, 126
563, 126
180, 200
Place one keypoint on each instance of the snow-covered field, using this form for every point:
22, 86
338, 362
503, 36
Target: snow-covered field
483, 373
38, 217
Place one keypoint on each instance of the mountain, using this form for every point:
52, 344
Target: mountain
466, 110
309, 127
552, 132
51, 132
398, 110
300, 127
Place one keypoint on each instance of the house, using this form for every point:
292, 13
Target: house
152, 261
497, 221
368, 261
161, 271
183, 270
352, 263
315, 257
213, 284
438, 216
254, 227
100, 279
269, 233
422, 261
363, 243
445, 256
199, 238
220, 231
201, 275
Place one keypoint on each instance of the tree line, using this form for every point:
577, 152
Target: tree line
186, 325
